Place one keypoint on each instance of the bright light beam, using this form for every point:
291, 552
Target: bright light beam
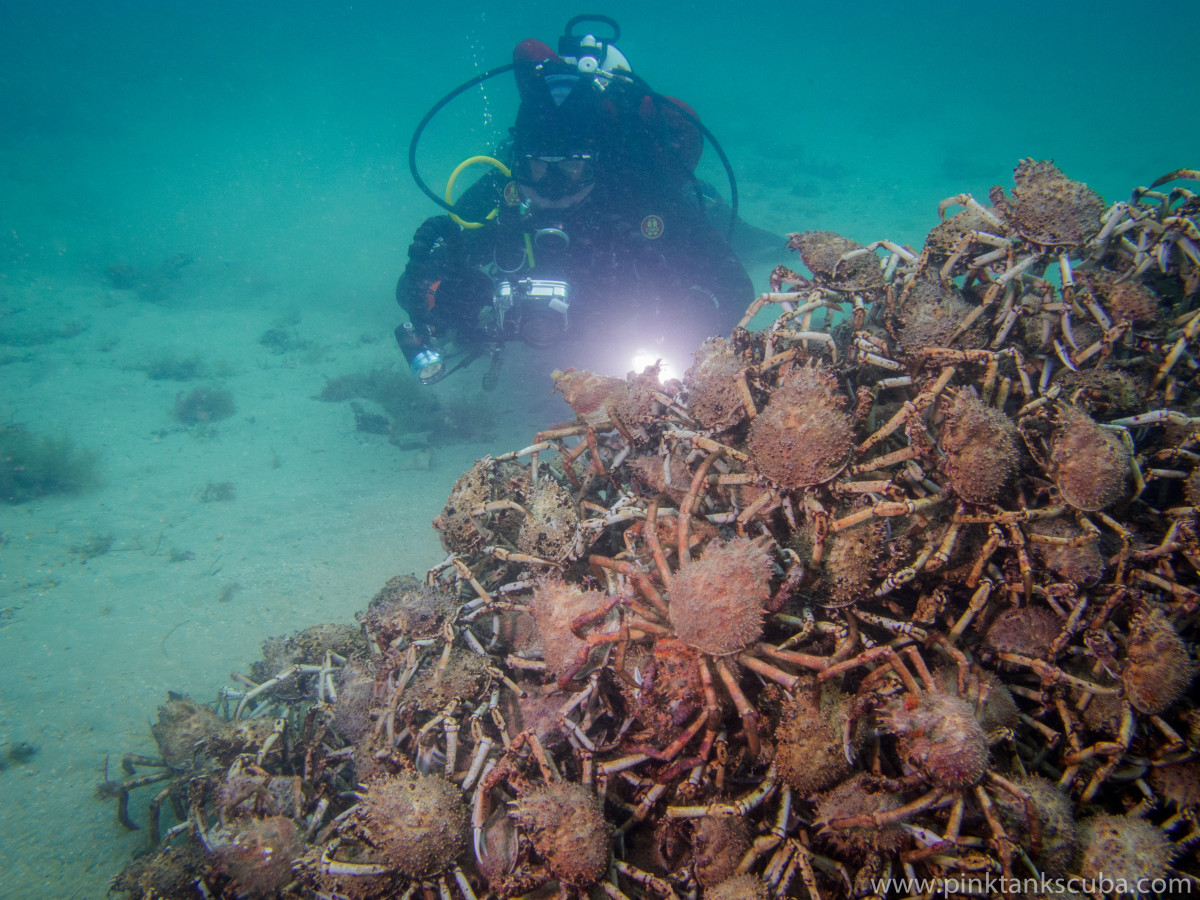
643, 358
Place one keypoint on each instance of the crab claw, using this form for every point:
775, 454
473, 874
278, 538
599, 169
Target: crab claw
848, 740
928, 838
480, 850
1188, 174
496, 845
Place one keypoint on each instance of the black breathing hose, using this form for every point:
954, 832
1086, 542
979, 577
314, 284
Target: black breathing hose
629, 76
437, 107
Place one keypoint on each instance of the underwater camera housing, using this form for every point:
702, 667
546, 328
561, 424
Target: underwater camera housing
532, 310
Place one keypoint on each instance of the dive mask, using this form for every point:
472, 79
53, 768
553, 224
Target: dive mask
555, 176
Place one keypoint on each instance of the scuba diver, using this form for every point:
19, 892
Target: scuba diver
591, 226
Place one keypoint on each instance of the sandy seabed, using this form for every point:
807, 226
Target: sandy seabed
146, 583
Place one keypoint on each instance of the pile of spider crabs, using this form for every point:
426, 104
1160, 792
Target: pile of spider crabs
904, 584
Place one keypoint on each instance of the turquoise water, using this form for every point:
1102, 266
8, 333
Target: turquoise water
135, 129
178, 180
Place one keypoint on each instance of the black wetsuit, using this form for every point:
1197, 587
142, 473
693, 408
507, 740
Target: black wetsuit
639, 254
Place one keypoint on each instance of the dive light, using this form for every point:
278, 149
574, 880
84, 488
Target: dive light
424, 362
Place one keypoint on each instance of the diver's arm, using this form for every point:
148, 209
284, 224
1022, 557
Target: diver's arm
714, 269
436, 250
436, 291
444, 285
731, 283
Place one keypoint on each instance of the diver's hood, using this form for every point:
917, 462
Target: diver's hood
562, 112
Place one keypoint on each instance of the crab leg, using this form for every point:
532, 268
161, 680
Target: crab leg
890, 817
772, 839
690, 502
1054, 675
483, 746
331, 866
966, 200
1019, 269
988, 299
745, 709
479, 813
804, 336
270, 683
883, 508
1004, 844
1158, 417
767, 299
740, 807
1172, 357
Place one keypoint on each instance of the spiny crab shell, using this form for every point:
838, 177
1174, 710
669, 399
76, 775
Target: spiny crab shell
943, 239
822, 252
981, 449
803, 436
1092, 466
460, 531
1049, 208
591, 396
1158, 669
419, 823
939, 735
551, 531
713, 396
929, 315
717, 602
567, 826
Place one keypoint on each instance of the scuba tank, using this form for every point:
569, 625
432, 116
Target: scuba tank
592, 55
